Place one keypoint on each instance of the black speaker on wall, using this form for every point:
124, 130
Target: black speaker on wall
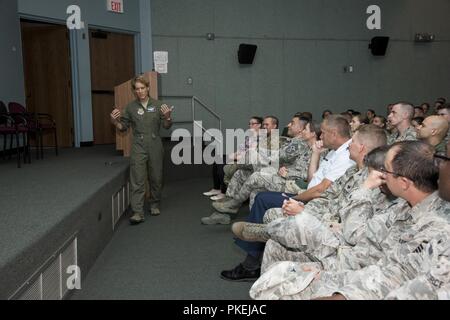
246, 53
378, 45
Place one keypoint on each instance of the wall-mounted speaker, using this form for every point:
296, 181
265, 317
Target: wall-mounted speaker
379, 45
246, 53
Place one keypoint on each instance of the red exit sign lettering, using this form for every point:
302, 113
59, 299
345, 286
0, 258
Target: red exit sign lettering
115, 6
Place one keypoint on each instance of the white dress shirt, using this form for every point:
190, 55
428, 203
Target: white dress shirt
333, 166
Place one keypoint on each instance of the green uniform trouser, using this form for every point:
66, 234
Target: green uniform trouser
147, 156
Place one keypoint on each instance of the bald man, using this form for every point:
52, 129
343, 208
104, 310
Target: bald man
433, 131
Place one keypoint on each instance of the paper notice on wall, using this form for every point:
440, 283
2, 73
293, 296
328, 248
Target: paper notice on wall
161, 59
161, 67
161, 56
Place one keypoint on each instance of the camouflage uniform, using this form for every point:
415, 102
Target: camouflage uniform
447, 138
441, 148
229, 170
291, 183
318, 223
332, 199
293, 152
329, 241
409, 135
270, 181
238, 180
432, 283
409, 247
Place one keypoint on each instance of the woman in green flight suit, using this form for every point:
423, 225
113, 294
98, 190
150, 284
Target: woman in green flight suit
145, 117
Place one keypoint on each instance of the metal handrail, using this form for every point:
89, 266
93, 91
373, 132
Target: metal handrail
193, 100
205, 131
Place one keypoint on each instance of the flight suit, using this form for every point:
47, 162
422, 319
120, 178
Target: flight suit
147, 151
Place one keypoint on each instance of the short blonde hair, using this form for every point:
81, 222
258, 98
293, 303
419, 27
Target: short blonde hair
140, 79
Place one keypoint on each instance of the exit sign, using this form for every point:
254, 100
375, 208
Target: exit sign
115, 5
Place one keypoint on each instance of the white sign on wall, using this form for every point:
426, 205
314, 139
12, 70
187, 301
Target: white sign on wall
161, 60
115, 5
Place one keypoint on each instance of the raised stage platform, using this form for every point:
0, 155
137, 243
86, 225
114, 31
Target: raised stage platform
64, 211
56, 213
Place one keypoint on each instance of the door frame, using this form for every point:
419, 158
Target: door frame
74, 62
136, 49
137, 42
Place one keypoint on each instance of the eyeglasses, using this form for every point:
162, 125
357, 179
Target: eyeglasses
252, 123
383, 170
440, 158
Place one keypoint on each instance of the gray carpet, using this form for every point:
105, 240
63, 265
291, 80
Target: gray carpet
171, 256
40, 195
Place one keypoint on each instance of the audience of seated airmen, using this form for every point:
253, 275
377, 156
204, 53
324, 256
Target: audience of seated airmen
219, 185
335, 136
237, 174
294, 157
326, 208
343, 243
399, 246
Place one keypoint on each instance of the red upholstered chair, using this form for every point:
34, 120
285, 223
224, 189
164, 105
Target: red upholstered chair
38, 123
8, 128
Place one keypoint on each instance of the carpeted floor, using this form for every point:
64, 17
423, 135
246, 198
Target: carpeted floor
171, 256
38, 196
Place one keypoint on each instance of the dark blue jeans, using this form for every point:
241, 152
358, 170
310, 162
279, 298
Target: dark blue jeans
263, 202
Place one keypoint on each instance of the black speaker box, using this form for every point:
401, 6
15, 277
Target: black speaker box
378, 45
246, 53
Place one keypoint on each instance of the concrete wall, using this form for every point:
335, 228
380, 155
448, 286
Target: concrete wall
303, 46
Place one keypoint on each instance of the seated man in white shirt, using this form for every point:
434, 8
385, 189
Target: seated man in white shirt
335, 136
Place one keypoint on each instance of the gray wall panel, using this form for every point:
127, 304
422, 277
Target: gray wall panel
11, 81
303, 46
187, 17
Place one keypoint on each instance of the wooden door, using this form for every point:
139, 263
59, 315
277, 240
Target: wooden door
48, 76
112, 63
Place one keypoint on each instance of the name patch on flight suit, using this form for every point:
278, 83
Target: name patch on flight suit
151, 109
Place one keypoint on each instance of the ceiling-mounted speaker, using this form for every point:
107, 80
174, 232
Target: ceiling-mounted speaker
246, 53
378, 45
